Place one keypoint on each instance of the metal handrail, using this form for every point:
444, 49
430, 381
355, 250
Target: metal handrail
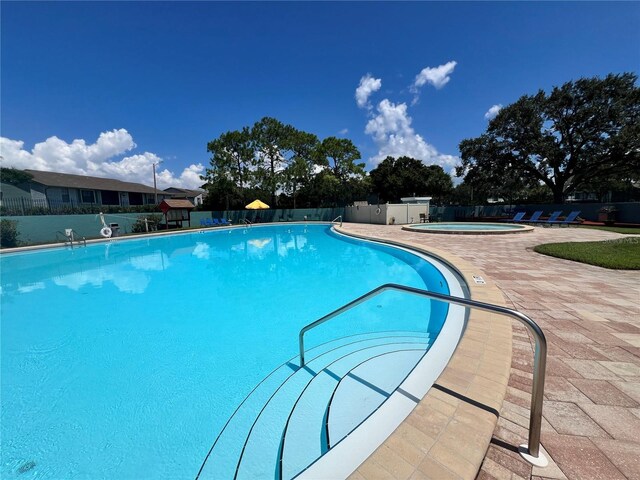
246, 221
338, 217
539, 362
66, 239
69, 238
84, 239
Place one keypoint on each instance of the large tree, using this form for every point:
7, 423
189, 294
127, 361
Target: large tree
232, 166
395, 178
301, 163
483, 184
343, 175
582, 130
340, 155
271, 138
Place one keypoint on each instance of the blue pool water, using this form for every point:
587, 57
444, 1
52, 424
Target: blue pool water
125, 359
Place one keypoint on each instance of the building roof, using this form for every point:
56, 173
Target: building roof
416, 199
55, 179
184, 191
176, 203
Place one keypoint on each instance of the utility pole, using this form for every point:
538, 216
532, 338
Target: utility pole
155, 189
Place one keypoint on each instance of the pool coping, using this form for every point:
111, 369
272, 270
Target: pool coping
522, 229
449, 431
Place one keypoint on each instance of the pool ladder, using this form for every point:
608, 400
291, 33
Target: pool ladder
68, 234
336, 219
531, 451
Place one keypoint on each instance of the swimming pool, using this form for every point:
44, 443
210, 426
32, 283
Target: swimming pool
477, 228
126, 359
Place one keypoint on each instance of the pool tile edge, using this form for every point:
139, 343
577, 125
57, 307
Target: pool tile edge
449, 431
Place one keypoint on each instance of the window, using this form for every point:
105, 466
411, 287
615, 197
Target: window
109, 197
65, 195
88, 196
135, 198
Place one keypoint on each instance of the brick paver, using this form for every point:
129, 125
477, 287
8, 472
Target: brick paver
591, 317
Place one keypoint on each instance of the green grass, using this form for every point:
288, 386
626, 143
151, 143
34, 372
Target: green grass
621, 254
623, 230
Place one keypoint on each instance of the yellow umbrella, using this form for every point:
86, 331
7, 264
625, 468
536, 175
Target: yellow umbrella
257, 205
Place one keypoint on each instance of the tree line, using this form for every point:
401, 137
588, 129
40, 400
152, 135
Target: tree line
582, 136
281, 164
294, 169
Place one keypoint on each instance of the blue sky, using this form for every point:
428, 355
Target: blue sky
109, 88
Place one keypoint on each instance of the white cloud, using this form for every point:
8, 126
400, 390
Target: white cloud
392, 131
189, 178
98, 159
344, 131
493, 111
391, 118
367, 86
436, 76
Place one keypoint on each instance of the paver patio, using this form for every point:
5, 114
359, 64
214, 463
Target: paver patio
591, 319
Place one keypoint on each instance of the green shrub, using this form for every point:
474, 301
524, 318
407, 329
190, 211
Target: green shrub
152, 221
9, 233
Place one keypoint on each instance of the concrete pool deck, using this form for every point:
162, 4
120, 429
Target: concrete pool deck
591, 318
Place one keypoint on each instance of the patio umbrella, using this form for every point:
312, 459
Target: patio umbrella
257, 205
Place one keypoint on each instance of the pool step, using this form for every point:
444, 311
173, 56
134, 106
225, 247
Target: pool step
364, 389
344, 395
285, 422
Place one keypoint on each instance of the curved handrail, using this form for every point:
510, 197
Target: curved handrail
539, 362
246, 221
335, 219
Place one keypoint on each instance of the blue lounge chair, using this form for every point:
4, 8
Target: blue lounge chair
534, 218
203, 223
224, 221
552, 218
569, 220
516, 218
208, 222
216, 222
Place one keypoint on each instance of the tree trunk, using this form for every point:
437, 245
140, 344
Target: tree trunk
294, 195
558, 194
273, 183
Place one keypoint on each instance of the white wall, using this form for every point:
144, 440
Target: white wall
398, 214
366, 214
402, 214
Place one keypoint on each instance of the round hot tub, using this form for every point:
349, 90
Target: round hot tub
469, 228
